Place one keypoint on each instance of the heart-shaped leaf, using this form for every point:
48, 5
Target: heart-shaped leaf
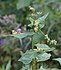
44, 47
28, 56
43, 56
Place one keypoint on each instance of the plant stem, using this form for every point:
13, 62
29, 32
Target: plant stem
34, 64
32, 43
34, 59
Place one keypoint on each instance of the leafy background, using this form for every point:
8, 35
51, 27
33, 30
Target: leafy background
20, 10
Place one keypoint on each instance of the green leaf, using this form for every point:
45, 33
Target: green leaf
38, 37
23, 35
30, 25
31, 20
23, 3
58, 59
8, 65
28, 56
42, 19
50, 1
43, 56
44, 47
41, 25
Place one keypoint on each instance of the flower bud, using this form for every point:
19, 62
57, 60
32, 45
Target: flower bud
32, 9
36, 58
51, 42
48, 40
46, 36
55, 42
36, 29
14, 32
18, 30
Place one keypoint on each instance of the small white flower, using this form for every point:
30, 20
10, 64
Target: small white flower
48, 40
46, 36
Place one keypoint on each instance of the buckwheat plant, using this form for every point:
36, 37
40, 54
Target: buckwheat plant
39, 49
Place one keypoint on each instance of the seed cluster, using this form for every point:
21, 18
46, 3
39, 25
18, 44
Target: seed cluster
53, 42
35, 26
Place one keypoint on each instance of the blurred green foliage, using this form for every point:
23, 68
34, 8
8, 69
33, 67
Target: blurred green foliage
21, 8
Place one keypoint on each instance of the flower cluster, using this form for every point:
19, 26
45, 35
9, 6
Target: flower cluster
16, 31
31, 8
53, 42
35, 26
